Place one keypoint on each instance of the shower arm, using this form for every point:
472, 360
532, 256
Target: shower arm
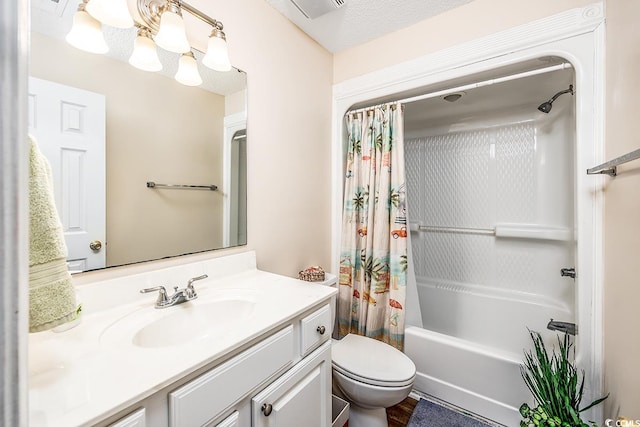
570, 90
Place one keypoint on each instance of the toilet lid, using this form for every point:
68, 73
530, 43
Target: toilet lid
372, 361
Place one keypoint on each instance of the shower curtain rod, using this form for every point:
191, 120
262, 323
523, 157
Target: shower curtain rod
516, 76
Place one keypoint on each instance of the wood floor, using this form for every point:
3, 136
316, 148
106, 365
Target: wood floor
398, 415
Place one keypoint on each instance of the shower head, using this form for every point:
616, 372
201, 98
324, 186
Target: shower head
545, 107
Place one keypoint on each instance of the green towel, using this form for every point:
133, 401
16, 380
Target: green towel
52, 299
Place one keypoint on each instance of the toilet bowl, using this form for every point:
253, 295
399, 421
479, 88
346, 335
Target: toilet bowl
371, 376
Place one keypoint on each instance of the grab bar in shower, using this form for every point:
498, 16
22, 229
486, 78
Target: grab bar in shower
513, 231
611, 167
151, 184
458, 230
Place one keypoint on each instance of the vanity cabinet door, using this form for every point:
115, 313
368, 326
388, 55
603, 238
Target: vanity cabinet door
300, 397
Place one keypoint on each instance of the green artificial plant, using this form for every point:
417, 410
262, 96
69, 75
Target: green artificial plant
556, 385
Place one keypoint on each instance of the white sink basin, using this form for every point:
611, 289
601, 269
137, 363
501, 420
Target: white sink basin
199, 319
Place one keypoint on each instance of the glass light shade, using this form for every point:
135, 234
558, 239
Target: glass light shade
144, 56
114, 13
217, 57
86, 34
188, 73
172, 35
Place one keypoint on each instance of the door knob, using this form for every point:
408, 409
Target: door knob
96, 245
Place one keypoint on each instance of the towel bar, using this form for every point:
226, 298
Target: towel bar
611, 167
151, 184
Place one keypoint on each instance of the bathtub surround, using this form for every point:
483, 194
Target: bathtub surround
373, 255
576, 34
52, 299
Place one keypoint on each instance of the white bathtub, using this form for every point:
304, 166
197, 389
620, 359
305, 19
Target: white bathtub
470, 352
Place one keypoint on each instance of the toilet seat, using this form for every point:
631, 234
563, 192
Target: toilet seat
372, 362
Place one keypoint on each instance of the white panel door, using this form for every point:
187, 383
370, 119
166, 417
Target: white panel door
69, 125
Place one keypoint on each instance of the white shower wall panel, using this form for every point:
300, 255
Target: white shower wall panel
515, 174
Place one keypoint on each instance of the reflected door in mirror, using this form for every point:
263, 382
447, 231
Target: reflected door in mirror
69, 125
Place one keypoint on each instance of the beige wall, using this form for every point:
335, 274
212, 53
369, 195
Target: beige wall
289, 134
156, 130
622, 210
235, 103
622, 204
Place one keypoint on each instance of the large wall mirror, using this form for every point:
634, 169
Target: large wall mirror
109, 129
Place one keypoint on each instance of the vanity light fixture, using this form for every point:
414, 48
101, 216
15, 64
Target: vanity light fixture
145, 56
217, 57
188, 73
172, 35
86, 32
114, 13
159, 23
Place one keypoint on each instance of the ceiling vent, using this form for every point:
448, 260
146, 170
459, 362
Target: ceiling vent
315, 8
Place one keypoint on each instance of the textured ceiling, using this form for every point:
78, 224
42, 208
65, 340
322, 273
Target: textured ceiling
359, 21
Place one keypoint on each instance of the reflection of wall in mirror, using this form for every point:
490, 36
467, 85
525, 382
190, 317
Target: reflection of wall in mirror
157, 130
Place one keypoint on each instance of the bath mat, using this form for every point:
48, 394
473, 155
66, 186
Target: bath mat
429, 414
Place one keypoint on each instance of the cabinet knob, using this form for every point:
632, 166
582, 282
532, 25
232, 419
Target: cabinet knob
321, 329
266, 409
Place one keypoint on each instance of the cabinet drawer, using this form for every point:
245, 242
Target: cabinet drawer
315, 329
134, 419
202, 399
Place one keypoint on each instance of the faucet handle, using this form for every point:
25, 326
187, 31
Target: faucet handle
162, 295
193, 279
190, 291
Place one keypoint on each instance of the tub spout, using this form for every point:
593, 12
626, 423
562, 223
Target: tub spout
566, 327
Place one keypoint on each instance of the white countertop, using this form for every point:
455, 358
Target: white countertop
78, 377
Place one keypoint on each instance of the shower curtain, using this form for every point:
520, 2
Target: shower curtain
373, 253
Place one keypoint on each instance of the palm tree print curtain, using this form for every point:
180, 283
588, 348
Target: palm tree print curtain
373, 255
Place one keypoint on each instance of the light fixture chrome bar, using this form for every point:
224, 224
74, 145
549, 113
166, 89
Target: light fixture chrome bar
611, 167
476, 85
151, 184
201, 16
458, 230
150, 11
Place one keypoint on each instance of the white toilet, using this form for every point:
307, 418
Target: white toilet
371, 376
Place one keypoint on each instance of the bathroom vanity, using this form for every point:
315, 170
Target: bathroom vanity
252, 350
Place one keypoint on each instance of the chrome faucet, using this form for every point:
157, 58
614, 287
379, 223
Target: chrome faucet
179, 296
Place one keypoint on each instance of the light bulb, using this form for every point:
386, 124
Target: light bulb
114, 13
172, 35
188, 73
217, 57
145, 56
86, 33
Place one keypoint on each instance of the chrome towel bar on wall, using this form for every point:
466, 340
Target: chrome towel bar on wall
151, 184
611, 167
